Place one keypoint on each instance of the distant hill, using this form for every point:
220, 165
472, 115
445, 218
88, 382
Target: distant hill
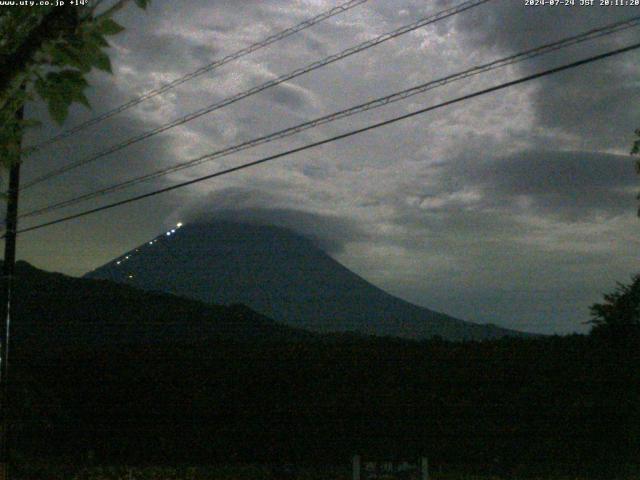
281, 275
53, 309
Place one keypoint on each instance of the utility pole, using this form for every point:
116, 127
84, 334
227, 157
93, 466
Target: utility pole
8, 268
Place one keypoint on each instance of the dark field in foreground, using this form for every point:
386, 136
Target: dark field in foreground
243, 472
154, 379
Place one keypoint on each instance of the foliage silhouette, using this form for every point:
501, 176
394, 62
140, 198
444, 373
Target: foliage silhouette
94, 371
619, 315
46, 52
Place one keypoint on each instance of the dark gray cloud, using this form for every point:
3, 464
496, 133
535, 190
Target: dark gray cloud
573, 186
589, 103
257, 207
531, 238
512, 25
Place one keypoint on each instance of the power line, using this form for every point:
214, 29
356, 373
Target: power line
272, 83
337, 137
201, 71
379, 102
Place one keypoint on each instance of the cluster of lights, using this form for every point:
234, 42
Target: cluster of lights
168, 233
173, 230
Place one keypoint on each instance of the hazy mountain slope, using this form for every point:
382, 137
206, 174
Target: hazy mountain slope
51, 309
281, 275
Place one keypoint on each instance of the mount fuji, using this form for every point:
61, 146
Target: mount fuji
281, 275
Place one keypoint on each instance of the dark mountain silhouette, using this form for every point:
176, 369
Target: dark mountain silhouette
281, 275
53, 310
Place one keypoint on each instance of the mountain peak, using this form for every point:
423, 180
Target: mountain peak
281, 275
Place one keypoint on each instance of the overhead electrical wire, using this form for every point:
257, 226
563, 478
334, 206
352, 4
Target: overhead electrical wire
257, 89
201, 71
351, 133
378, 102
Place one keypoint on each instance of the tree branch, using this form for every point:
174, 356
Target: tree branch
57, 22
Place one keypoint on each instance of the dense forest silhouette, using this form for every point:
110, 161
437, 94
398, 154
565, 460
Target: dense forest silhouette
94, 380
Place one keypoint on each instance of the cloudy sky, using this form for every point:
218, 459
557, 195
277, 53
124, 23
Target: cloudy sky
516, 208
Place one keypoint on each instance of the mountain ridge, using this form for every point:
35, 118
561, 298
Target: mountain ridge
53, 309
283, 276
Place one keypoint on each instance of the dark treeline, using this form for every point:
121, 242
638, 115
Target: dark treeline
528, 406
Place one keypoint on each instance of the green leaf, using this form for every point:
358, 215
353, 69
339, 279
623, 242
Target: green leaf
40, 86
58, 109
71, 55
80, 97
60, 90
71, 85
142, 3
95, 38
72, 78
108, 26
101, 61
